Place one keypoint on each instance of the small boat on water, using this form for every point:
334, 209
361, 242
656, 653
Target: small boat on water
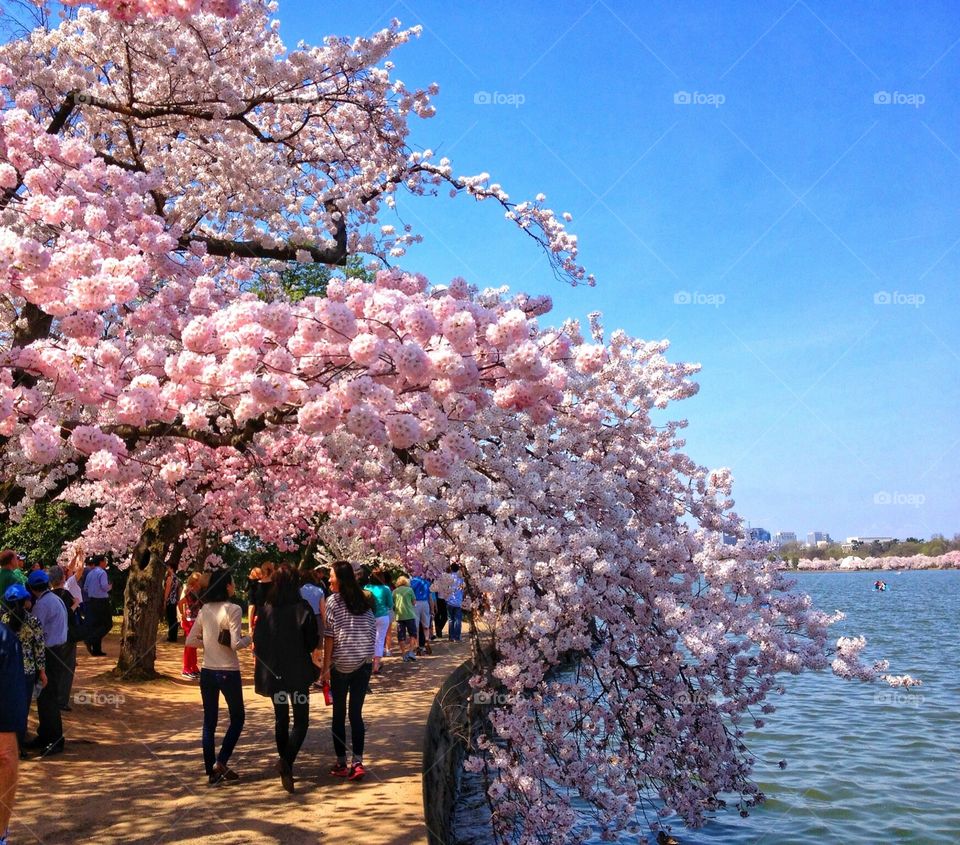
880, 586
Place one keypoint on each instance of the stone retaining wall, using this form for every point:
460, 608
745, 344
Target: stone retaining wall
444, 748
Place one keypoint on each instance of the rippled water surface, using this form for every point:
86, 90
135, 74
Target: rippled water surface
867, 763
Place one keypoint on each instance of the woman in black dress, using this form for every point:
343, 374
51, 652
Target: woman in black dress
284, 639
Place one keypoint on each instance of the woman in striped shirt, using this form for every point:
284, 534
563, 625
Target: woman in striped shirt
348, 646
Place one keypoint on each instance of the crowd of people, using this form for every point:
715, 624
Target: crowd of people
327, 629
53, 610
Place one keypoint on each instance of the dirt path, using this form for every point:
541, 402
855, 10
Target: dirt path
133, 772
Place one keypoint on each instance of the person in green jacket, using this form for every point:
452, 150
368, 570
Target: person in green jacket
405, 604
10, 570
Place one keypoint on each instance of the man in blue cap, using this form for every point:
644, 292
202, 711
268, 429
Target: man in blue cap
13, 720
51, 612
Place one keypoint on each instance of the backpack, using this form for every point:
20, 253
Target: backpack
76, 630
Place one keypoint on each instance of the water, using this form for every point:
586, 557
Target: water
867, 763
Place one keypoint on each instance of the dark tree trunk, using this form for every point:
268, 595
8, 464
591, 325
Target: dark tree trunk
143, 598
306, 556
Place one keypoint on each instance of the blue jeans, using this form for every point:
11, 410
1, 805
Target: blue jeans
455, 615
212, 683
355, 683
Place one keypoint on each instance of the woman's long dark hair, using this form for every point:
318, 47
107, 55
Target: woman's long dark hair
284, 588
356, 600
216, 590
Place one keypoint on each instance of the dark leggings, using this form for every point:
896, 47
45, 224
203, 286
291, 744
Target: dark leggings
173, 623
288, 744
440, 618
212, 683
356, 683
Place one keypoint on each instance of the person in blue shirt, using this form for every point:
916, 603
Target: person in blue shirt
421, 591
455, 604
13, 720
51, 613
96, 588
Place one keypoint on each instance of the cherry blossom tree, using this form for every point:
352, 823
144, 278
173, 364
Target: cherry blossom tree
141, 200
145, 200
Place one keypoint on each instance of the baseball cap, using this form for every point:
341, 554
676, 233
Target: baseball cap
16, 592
38, 578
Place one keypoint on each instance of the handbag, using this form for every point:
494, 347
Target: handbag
224, 636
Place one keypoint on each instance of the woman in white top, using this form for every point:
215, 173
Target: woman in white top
218, 631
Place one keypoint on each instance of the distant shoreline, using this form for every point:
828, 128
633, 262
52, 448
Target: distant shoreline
871, 563
807, 571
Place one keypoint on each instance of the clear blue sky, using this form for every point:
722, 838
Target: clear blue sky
782, 209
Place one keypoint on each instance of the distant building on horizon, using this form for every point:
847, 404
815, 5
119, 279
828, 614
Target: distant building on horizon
729, 540
815, 538
759, 535
781, 538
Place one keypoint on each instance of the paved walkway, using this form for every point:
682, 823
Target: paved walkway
133, 773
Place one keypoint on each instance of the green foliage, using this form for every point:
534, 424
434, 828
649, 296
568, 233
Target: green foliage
935, 546
296, 282
245, 553
44, 530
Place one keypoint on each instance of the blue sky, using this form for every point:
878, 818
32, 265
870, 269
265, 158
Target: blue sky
771, 186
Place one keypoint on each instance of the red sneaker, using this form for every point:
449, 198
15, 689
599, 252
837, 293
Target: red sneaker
340, 770
356, 771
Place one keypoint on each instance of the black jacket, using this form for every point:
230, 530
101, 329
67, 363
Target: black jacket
283, 640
